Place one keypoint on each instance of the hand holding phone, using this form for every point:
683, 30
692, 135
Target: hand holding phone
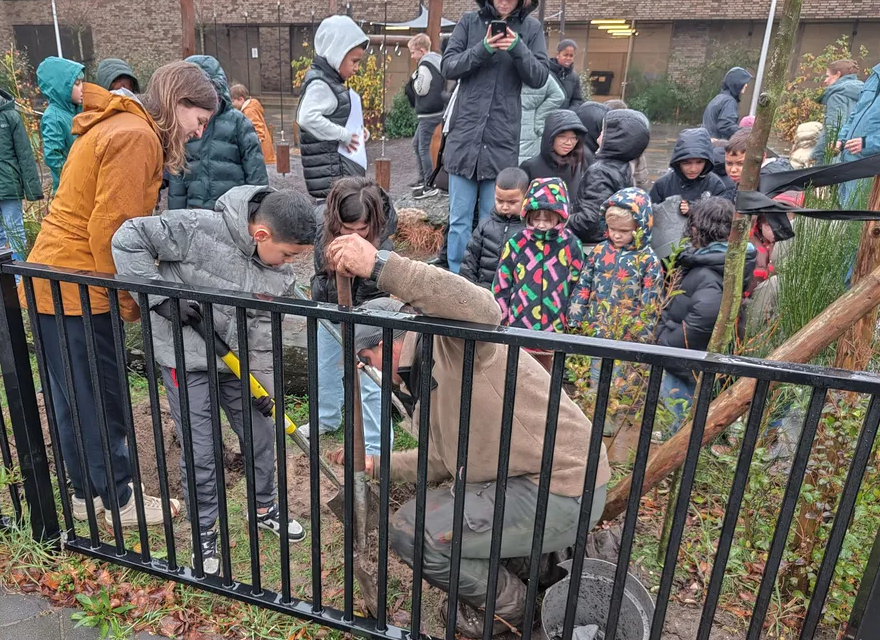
497, 28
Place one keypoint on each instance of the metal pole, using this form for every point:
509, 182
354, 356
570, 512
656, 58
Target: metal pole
629, 53
280, 72
216, 39
759, 77
247, 46
57, 32
562, 21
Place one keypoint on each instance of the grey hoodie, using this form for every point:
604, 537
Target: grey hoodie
200, 248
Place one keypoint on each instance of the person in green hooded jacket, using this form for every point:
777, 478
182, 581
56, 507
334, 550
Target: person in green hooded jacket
113, 74
60, 81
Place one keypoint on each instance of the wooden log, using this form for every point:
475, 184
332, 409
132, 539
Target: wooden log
734, 402
282, 158
435, 11
383, 173
188, 28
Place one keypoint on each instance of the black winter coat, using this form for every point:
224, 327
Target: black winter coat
691, 143
485, 124
689, 318
626, 138
544, 165
571, 84
484, 248
592, 115
362, 289
227, 155
721, 117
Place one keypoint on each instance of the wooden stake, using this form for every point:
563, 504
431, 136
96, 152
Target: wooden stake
383, 173
435, 11
188, 28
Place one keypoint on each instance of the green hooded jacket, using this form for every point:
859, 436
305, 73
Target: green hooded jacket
19, 175
56, 77
111, 68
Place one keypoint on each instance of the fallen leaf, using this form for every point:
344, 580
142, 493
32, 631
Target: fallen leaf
170, 626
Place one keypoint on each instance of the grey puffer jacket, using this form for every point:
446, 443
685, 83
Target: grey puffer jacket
485, 121
485, 246
206, 249
721, 117
227, 155
536, 106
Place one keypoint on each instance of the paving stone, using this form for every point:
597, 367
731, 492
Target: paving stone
42, 626
15, 607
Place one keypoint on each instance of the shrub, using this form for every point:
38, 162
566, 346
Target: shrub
401, 121
660, 100
586, 87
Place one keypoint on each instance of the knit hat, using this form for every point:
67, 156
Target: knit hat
368, 336
747, 122
547, 194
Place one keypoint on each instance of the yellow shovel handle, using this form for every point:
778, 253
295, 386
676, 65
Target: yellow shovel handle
257, 390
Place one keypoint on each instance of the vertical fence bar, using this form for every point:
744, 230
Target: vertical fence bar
158, 435
48, 403
842, 517
64, 348
557, 371
510, 378
349, 380
734, 502
464, 428
427, 365
128, 419
6, 453
103, 431
384, 480
281, 456
635, 493
865, 616
187, 444
789, 503
217, 438
583, 529
18, 381
249, 472
314, 471
686, 485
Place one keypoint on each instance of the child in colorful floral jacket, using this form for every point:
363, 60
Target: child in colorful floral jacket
541, 264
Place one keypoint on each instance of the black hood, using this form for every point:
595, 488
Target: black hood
734, 81
558, 70
523, 9
692, 143
713, 257
558, 121
592, 115
626, 135
718, 164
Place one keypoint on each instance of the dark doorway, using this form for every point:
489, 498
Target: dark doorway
234, 47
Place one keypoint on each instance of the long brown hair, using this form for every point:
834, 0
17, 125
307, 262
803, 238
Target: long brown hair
177, 83
352, 200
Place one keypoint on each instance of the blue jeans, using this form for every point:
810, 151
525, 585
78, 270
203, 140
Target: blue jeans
331, 398
677, 395
463, 194
12, 228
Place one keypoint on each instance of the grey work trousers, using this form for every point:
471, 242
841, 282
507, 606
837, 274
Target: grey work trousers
422, 146
203, 439
560, 530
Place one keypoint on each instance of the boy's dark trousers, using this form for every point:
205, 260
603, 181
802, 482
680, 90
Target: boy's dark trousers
203, 438
87, 405
422, 146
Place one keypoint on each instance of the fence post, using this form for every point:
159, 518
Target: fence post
865, 617
27, 430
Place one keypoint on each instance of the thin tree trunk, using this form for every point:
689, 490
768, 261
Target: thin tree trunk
79, 38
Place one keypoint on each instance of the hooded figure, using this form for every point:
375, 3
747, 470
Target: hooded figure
620, 280
537, 104
571, 84
592, 115
538, 269
112, 69
691, 144
721, 117
227, 155
56, 77
19, 175
325, 106
839, 100
864, 123
547, 164
625, 137
719, 168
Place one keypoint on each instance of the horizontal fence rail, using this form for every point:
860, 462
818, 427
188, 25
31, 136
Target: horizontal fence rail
85, 358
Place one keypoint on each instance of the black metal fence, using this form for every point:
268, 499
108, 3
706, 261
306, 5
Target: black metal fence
39, 473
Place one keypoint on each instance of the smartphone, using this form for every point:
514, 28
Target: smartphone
498, 27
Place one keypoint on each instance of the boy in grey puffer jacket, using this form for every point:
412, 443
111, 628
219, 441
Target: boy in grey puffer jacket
245, 245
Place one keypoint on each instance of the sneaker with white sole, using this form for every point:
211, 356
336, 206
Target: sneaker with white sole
271, 521
128, 516
210, 552
78, 506
426, 192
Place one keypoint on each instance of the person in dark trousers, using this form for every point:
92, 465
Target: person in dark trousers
842, 91
113, 74
19, 176
721, 117
440, 294
592, 116
491, 235
325, 106
485, 123
562, 150
562, 66
227, 155
246, 245
625, 136
427, 86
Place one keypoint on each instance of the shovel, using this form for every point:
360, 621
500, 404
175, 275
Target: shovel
336, 503
365, 505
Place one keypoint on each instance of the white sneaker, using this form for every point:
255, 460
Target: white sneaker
152, 511
303, 430
271, 521
79, 507
210, 553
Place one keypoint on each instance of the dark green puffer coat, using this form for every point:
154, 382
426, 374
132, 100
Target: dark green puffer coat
19, 176
227, 155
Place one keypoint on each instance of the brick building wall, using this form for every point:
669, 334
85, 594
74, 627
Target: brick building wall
688, 48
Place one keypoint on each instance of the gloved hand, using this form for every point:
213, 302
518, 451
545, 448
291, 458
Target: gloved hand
263, 405
190, 312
